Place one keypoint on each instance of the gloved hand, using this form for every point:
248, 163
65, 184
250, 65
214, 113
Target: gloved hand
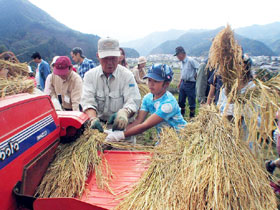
114, 136
95, 124
119, 120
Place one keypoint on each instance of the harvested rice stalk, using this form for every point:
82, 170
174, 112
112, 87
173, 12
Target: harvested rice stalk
143, 88
257, 108
15, 85
15, 69
67, 174
74, 162
226, 56
205, 167
254, 110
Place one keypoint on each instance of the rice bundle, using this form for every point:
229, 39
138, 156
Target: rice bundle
254, 113
204, 167
15, 85
15, 69
143, 88
226, 56
255, 109
67, 174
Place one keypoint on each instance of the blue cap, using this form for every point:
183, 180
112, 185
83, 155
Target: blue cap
160, 72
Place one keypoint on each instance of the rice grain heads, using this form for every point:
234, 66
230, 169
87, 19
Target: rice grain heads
67, 174
15, 69
15, 85
203, 167
226, 56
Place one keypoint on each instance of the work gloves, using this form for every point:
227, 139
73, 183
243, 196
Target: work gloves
114, 136
119, 120
95, 124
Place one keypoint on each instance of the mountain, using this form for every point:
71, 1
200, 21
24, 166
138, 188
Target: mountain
131, 53
25, 28
194, 43
268, 33
276, 47
144, 45
197, 44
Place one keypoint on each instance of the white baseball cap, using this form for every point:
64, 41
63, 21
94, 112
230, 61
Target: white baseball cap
108, 47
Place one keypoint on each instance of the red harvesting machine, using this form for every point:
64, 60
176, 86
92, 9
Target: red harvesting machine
30, 131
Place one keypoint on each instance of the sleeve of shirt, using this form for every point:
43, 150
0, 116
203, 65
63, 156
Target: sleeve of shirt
91, 65
166, 110
201, 82
76, 94
132, 97
48, 85
52, 91
181, 75
195, 64
144, 106
137, 77
211, 79
44, 71
88, 94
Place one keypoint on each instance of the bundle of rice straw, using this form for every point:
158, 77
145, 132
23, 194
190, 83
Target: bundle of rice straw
15, 69
226, 56
254, 110
15, 85
257, 108
67, 174
204, 167
143, 88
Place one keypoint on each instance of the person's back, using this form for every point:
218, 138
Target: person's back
202, 86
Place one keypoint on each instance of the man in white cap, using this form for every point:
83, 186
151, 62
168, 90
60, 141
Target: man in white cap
139, 70
110, 90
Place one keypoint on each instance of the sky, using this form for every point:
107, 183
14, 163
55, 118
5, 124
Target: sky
130, 19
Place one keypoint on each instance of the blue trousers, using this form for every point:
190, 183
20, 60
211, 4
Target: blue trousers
187, 89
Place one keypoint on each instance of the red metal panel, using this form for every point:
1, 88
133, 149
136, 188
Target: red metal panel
19, 114
127, 168
19, 111
73, 118
63, 204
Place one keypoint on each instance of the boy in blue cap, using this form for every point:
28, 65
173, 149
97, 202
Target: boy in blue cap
160, 103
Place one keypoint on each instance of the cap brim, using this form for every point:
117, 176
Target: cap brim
60, 72
175, 54
141, 62
104, 54
154, 77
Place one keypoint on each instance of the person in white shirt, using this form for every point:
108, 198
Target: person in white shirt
110, 90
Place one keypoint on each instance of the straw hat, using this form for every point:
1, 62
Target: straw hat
141, 60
